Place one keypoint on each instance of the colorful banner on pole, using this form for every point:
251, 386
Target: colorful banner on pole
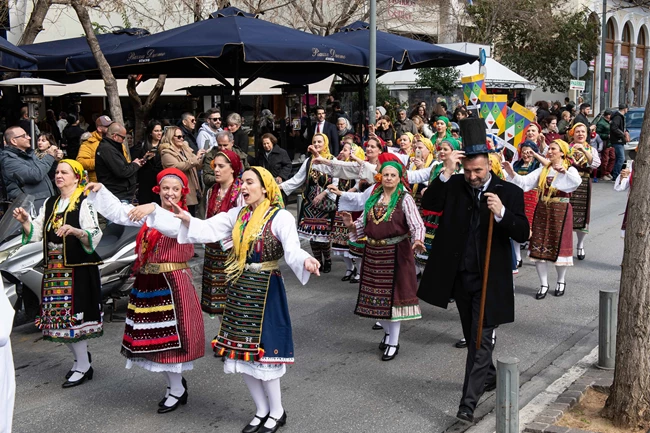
473, 90
517, 119
494, 109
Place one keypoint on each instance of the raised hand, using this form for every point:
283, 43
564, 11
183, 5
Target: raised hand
508, 168
21, 215
93, 187
180, 213
347, 219
140, 212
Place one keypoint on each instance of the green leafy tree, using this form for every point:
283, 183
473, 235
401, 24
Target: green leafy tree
537, 40
441, 81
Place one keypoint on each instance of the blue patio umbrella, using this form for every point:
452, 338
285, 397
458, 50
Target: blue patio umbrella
13, 58
407, 53
52, 55
233, 44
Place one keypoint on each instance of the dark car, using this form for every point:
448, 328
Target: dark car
633, 123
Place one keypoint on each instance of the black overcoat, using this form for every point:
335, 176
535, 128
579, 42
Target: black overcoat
454, 198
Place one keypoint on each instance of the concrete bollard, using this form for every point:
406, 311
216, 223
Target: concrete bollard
607, 319
508, 395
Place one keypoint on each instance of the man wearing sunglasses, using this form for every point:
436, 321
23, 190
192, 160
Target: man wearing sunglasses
207, 136
19, 164
188, 125
113, 165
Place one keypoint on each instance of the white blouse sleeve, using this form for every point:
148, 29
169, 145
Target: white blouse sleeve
621, 184
164, 221
528, 182
420, 176
36, 234
354, 201
595, 161
298, 179
112, 208
413, 218
208, 231
349, 170
283, 227
88, 223
567, 182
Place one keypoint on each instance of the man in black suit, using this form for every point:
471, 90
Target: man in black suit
322, 126
455, 266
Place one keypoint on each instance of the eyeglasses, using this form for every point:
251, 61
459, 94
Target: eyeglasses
192, 120
180, 137
123, 137
215, 119
21, 135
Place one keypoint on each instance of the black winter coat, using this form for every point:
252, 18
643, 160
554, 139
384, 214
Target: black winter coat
617, 128
277, 162
455, 199
119, 176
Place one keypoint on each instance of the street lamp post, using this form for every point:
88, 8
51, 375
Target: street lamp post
603, 36
372, 79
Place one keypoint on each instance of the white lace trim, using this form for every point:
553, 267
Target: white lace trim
255, 369
157, 367
561, 261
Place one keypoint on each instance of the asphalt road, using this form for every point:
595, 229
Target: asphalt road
338, 383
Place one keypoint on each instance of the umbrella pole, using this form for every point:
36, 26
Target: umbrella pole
486, 269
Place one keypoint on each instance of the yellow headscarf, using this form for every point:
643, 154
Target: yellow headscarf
250, 222
82, 177
541, 186
430, 147
357, 151
495, 165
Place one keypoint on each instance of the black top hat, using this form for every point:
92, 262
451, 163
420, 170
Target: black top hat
472, 131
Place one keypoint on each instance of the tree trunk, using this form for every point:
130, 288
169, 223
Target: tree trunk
35, 23
110, 84
628, 404
140, 109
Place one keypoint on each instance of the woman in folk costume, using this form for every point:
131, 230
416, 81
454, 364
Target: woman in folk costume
431, 218
552, 238
224, 195
623, 183
585, 159
389, 219
425, 154
163, 330
67, 226
260, 347
533, 132
443, 130
318, 205
529, 161
339, 235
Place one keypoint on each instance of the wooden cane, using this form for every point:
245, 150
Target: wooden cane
486, 269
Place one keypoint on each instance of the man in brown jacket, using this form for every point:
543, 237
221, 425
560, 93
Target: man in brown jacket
88, 148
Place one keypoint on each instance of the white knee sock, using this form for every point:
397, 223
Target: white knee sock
561, 273
542, 272
74, 364
393, 340
169, 384
517, 247
80, 350
274, 394
348, 263
581, 239
259, 397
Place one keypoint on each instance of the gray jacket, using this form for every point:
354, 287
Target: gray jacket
33, 171
206, 135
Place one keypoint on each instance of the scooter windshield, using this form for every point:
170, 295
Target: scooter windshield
9, 227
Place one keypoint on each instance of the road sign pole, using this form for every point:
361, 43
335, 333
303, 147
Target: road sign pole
603, 36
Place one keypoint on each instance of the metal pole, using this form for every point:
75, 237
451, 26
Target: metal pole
578, 68
607, 319
603, 36
508, 395
372, 83
32, 126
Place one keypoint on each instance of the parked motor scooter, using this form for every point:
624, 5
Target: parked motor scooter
22, 266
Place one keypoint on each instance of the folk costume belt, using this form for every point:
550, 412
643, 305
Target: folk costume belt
159, 268
388, 241
264, 266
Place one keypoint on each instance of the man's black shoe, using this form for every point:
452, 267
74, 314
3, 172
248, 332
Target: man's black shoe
465, 415
461, 344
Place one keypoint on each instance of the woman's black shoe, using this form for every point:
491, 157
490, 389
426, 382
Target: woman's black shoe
255, 428
349, 274
520, 263
355, 278
386, 356
87, 375
559, 289
581, 253
69, 374
161, 403
541, 293
327, 266
179, 400
384, 342
376, 327
279, 422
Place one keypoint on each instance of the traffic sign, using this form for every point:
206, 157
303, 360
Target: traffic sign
482, 57
578, 68
577, 85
